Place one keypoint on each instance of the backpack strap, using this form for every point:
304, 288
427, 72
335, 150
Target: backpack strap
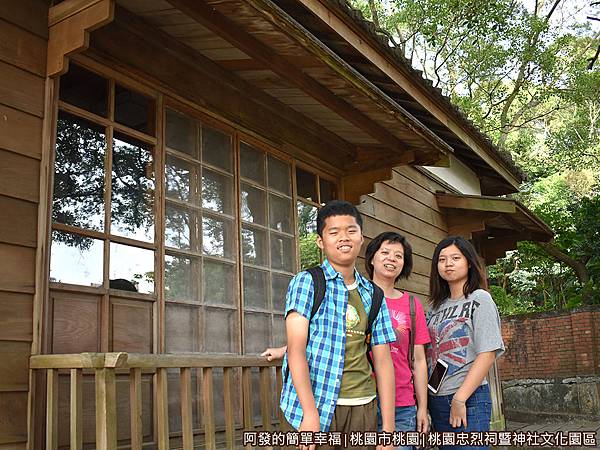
376, 301
412, 332
319, 283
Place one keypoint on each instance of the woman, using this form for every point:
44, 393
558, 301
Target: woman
464, 326
388, 258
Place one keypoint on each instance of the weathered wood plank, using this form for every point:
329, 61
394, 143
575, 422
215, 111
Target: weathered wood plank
20, 132
473, 203
208, 409
265, 397
279, 386
18, 222
51, 409
229, 413
247, 398
22, 48
106, 410
21, 90
16, 317
19, 176
135, 402
162, 409
76, 410
18, 268
28, 14
185, 384
14, 373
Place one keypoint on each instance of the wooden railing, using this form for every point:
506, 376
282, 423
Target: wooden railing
106, 366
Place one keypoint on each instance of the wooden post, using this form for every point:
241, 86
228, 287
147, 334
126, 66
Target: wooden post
228, 398
51, 409
106, 409
185, 382
247, 396
265, 397
209, 417
135, 405
279, 384
76, 410
162, 409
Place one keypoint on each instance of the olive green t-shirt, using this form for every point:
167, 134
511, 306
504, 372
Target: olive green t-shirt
356, 378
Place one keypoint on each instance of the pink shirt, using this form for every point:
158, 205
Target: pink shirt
399, 309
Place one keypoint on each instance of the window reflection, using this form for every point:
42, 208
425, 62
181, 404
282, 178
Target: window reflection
133, 264
85, 89
253, 208
216, 191
132, 206
181, 133
179, 277
178, 227
306, 184
279, 175
282, 252
219, 279
76, 259
216, 237
178, 175
134, 110
279, 285
216, 148
252, 163
310, 254
79, 173
280, 213
256, 292
254, 246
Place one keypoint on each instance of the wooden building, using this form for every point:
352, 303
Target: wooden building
160, 164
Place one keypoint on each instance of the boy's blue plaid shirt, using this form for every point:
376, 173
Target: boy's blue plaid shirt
327, 340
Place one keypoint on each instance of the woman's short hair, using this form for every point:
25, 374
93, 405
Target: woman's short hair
394, 238
438, 287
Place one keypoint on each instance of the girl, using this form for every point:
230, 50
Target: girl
464, 326
388, 258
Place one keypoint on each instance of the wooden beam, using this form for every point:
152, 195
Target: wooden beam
367, 46
476, 203
363, 183
464, 223
248, 64
229, 30
369, 158
70, 23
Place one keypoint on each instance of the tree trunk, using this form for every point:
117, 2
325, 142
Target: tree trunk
374, 15
579, 267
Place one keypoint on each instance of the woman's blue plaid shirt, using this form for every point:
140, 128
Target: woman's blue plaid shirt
327, 340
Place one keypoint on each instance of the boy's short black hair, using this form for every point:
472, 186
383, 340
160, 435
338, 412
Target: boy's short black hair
337, 208
393, 238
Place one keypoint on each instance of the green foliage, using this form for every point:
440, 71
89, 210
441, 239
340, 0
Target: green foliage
310, 254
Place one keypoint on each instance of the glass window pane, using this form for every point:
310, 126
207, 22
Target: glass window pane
182, 328
328, 190
178, 175
76, 259
257, 328
222, 331
279, 285
254, 204
85, 89
181, 133
217, 237
282, 252
217, 191
279, 337
310, 254
179, 228
219, 281
132, 206
135, 110
216, 148
180, 276
280, 213
132, 264
254, 246
306, 184
78, 198
252, 163
279, 175
256, 284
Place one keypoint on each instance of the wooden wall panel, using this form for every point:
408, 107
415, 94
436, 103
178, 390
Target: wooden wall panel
16, 317
406, 203
22, 49
18, 222
22, 90
131, 326
31, 15
76, 322
20, 132
13, 426
19, 176
14, 369
18, 268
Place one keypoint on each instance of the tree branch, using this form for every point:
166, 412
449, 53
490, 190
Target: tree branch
560, 256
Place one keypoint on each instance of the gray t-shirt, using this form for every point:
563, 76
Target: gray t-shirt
460, 330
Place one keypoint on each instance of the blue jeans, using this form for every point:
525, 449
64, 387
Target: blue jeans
479, 411
406, 420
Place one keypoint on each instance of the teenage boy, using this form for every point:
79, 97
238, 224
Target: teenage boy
330, 386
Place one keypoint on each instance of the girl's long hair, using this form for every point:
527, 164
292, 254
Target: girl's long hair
476, 279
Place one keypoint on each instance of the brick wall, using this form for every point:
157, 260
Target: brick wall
551, 345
